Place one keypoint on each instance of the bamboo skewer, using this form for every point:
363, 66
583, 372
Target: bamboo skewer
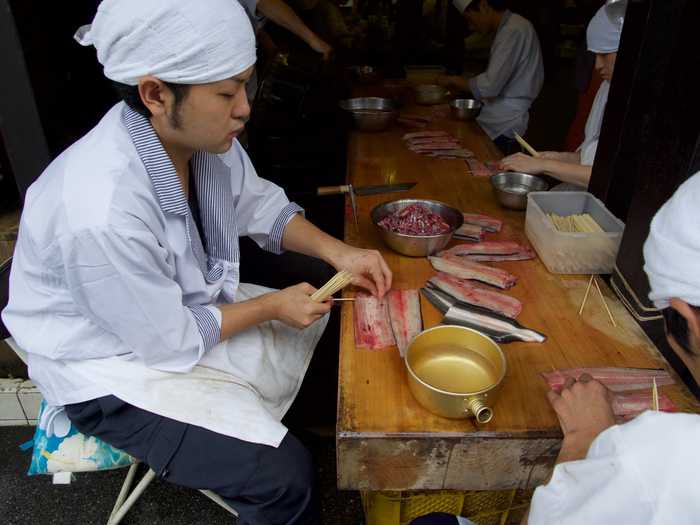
585, 297
532, 151
654, 395
602, 298
581, 223
343, 299
337, 282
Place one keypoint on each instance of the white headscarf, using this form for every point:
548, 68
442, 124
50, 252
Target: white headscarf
672, 250
461, 5
178, 41
602, 35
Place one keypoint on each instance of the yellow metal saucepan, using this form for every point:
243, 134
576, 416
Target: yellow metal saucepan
455, 372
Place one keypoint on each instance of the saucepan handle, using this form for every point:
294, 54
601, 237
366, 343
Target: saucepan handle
481, 412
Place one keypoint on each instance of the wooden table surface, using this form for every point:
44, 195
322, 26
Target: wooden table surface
385, 440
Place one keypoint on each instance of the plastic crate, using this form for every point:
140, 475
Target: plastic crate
482, 507
572, 253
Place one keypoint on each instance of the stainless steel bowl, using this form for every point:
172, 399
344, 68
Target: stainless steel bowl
366, 74
511, 188
465, 108
371, 113
430, 94
416, 245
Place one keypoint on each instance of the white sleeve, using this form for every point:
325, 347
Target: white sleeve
121, 281
603, 488
262, 209
504, 58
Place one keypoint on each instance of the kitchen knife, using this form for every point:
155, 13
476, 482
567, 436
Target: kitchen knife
366, 190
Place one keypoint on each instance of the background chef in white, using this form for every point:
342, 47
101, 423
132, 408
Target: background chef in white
642, 472
574, 168
124, 288
514, 75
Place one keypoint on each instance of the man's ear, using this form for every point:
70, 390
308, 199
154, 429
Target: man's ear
154, 95
691, 316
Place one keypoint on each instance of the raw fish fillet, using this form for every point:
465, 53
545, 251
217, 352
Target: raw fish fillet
492, 251
371, 319
630, 404
487, 223
471, 293
464, 269
405, 316
478, 168
469, 232
417, 134
616, 379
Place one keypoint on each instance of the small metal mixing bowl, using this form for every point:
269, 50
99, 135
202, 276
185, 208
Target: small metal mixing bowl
371, 113
428, 94
416, 245
366, 74
511, 188
465, 108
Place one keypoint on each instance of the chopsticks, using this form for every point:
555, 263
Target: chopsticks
654, 395
337, 282
532, 151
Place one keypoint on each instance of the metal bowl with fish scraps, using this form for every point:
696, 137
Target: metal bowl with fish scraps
371, 113
416, 227
511, 188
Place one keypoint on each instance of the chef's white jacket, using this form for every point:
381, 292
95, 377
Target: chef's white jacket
594, 122
112, 290
512, 80
640, 473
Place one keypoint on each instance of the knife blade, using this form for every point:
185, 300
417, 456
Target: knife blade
366, 190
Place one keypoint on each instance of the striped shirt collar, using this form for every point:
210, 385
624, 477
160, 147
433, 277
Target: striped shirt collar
157, 162
213, 193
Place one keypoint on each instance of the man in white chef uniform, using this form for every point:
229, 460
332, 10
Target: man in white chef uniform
514, 75
124, 288
574, 168
645, 471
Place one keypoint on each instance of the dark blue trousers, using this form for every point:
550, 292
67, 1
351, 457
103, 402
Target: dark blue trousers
265, 485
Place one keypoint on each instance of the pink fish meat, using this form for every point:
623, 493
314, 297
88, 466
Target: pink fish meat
437, 146
371, 319
415, 219
487, 223
411, 123
413, 116
492, 251
405, 317
430, 140
630, 404
471, 293
457, 153
464, 269
469, 232
417, 134
478, 168
616, 379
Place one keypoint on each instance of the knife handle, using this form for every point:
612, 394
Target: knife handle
333, 190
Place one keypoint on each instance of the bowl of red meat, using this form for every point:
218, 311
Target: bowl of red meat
416, 227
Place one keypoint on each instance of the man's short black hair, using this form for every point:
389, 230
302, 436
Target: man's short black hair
677, 327
496, 5
130, 95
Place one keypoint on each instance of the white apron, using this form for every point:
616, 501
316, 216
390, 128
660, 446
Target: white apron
241, 388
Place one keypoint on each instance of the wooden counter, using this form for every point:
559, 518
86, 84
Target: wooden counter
385, 440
